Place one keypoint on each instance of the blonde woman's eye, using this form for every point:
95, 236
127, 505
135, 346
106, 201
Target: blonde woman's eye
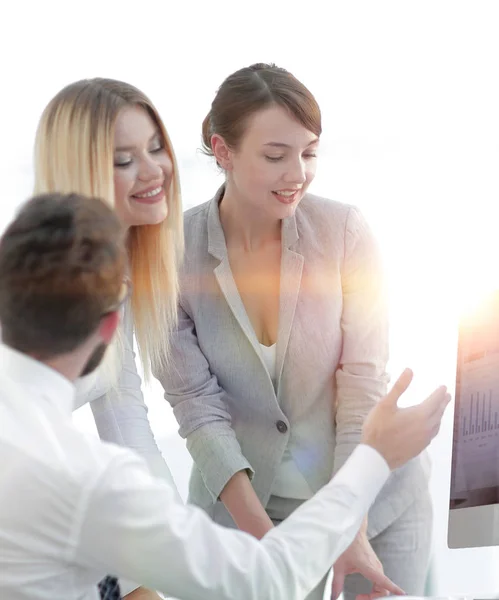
122, 160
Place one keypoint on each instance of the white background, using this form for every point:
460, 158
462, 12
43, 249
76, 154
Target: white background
410, 98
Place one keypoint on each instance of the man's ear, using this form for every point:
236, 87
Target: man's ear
108, 326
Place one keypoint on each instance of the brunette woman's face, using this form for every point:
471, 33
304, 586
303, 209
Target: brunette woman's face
274, 163
143, 169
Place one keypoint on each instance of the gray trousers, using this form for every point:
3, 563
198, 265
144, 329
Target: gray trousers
403, 548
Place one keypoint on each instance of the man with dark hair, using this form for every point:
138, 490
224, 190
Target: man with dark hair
73, 508
62, 262
62, 269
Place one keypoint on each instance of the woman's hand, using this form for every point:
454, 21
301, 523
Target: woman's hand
142, 594
360, 557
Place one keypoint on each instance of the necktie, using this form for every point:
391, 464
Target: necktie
109, 588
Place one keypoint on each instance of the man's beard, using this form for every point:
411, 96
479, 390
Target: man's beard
95, 360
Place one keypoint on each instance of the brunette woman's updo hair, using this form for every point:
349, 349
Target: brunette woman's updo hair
250, 90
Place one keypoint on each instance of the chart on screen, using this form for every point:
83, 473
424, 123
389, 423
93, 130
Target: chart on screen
476, 426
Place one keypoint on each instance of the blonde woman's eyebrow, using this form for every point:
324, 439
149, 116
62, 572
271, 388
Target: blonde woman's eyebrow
130, 148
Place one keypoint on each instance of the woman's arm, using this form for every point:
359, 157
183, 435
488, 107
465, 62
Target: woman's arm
204, 421
120, 412
121, 418
361, 378
245, 508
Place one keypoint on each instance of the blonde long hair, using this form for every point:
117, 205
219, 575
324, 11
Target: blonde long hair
74, 152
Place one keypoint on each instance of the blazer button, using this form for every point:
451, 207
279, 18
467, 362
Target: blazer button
281, 426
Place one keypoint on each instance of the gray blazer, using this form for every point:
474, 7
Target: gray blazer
332, 350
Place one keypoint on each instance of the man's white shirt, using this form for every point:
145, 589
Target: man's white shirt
74, 509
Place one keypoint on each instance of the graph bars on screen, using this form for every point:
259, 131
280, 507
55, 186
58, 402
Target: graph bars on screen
481, 417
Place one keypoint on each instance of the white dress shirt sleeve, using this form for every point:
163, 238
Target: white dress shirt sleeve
135, 527
121, 418
121, 413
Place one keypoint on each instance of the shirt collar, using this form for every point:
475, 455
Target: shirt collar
56, 389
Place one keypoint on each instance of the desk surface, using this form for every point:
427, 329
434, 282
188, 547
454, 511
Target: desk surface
452, 597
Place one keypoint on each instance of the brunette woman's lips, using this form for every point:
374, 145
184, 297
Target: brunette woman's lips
150, 196
286, 196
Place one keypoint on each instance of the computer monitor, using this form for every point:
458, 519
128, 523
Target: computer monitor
474, 493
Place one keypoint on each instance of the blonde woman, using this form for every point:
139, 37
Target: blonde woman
104, 138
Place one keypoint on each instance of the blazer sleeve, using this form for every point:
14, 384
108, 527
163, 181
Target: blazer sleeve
200, 407
121, 415
361, 378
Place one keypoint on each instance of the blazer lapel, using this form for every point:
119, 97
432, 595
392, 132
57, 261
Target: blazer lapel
291, 274
218, 249
229, 289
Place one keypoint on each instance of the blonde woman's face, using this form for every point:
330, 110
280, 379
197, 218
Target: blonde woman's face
142, 169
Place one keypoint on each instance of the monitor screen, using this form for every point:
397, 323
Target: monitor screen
474, 493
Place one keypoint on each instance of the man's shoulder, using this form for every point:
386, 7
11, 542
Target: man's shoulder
88, 456
61, 454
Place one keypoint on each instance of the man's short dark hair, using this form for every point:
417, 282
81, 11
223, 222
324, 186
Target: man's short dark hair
62, 263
